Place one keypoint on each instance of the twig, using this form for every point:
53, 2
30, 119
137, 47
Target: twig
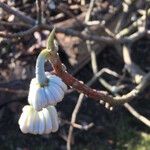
78, 126
129, 107
102, 25
138, 89
88, 14
83, 36
94, 66
72, 22
20, 34
88, 42
93, 57
17, 13
134, 37
131, 67
83, 127
39, 11
73, 119
132, 27
70, 32
64, 8
79, 102
66, 31
137, 115
127, 6
15, 24
146, 15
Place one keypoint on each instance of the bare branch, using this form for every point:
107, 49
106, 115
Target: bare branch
20, 34
73, 119
129, 107
15, 24
137, 115
39, 11
135, 71
17, 13
138, 89
88, 14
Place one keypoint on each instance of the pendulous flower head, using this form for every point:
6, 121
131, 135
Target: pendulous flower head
49, 94
46, 89
42, 122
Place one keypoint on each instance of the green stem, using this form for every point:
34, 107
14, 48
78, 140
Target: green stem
39, 70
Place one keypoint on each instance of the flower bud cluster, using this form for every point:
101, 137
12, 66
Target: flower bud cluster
46, 90
38, 122
42, 96
40, 117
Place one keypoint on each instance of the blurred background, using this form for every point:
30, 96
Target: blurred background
107, 40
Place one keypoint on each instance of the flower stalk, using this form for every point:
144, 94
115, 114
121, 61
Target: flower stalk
39, 69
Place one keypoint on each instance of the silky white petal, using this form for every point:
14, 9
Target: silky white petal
50, 96
57, 80
54, 118
24, 118
32, 95
55, 93
32, 90
36, 97
33, 83
48, 123
22, 123
41, 97
26, 108
44, 98
36, 123
58, 91
30, 121
41, 122
39, 101
58, 87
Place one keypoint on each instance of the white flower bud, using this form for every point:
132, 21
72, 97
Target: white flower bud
42, 122
54, 119
50, 94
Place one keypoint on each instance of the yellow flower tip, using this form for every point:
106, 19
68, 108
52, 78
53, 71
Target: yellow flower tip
50, 40
44, 52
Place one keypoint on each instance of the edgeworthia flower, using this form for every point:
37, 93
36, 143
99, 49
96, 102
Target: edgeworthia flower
45, 89
38, 122
50, 94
